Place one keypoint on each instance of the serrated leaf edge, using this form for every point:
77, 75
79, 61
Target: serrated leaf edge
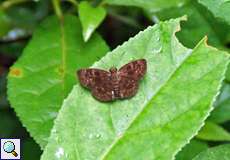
213, 99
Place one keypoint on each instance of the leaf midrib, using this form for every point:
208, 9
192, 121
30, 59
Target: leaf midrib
147, 104
63, 64
64, 54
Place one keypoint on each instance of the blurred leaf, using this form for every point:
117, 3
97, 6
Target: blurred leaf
152, 5
24, 19
191, 150
90, 18
45, 73
200, 23
213, 132
221, 152
222, 109
220, 8
224, 94
173, 99
28, 17
228, 74
5, 25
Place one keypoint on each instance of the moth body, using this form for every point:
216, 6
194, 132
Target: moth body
115, 82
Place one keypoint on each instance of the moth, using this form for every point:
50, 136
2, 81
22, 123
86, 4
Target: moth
113, 84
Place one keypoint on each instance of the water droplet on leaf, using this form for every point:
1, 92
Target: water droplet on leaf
98, 136
157, 50
90, 136
59, 152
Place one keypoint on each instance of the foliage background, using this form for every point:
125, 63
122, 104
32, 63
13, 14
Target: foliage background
18, 19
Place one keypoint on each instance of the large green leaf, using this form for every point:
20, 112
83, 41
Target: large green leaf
153, 5
191, 150
221, 152
172, 102
90, 18
220, 8
45, 73
213, 132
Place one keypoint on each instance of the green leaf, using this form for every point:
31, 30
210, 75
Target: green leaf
152, 5
221, 152
90, 18
200, 23
173, 100
191, 150
228, 74
219, 8
213, 132
222, 109
5, 24
45, 73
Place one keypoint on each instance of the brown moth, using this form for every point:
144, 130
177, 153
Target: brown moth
113, 84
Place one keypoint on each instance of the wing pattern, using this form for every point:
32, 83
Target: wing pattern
108, 86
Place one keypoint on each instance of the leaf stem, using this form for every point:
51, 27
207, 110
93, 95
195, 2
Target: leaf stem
74, 2
96, 3
102, 3
7, 4
126, 20
57, 8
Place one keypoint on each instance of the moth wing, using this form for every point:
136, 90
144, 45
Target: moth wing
103, 91
99, 81
127, 87
135, 69
92, 77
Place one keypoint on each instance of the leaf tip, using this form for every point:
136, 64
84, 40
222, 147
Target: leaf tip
204, 41
184, 18
87, 33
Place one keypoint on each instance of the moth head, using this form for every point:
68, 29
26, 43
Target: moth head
113, 70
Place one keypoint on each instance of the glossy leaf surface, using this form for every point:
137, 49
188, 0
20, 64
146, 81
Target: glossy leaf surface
90, 18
